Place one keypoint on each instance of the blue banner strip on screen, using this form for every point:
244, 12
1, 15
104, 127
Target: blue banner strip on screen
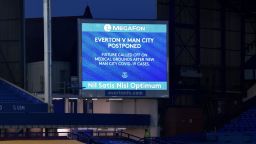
119, 85
97, 27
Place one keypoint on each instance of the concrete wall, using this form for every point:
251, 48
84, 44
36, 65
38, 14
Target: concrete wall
138, 106
101, 106
36, 76
208, 30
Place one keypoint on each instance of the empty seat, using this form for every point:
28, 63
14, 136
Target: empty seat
14, 99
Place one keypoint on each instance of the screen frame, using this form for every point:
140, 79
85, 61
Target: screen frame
93, 94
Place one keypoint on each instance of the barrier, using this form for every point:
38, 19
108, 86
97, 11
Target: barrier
55, 120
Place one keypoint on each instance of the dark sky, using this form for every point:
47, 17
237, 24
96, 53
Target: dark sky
101, 9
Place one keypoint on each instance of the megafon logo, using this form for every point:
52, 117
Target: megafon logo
107, 27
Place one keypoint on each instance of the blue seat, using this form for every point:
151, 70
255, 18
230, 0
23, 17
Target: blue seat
13, 98
246, 122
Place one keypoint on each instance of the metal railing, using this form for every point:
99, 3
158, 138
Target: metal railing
34, 135
90, 138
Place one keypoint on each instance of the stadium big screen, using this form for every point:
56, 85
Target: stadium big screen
123, 58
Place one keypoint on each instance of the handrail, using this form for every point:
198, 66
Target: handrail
150, 140
47, 135
130, 136
84, 137
31, 135
115, 134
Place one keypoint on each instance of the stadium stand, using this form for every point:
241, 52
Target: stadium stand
240, 130
13, 99
16, 100
19, 108
246, 122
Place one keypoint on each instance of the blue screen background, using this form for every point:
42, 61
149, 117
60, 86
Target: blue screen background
91, 71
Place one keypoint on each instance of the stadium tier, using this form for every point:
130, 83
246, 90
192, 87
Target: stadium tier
246, 122
15, 100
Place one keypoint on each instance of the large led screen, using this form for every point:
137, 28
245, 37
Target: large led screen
124, 56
